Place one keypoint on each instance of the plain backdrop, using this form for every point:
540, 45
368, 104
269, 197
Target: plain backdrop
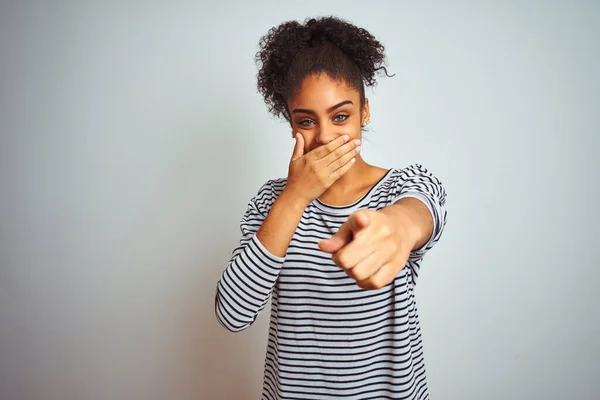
132, 138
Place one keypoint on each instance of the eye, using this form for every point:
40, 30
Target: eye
341, 118
305, 122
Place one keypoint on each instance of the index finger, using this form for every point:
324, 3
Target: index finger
323, 151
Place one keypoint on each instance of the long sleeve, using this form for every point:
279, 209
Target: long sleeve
415, 181
247, 282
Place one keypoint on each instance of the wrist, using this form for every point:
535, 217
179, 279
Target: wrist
407, 230
293, 200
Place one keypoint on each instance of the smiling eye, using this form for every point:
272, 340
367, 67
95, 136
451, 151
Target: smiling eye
341, 118
305, 122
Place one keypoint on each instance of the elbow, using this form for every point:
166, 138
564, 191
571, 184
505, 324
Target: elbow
233, 328
228, 321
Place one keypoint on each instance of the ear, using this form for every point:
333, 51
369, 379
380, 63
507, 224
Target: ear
366, 112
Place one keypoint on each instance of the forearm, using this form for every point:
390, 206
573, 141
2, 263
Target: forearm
281, 223
248, 280
414, 217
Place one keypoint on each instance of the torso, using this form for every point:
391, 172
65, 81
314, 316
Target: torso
330, 339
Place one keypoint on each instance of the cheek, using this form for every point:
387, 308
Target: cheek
309, 141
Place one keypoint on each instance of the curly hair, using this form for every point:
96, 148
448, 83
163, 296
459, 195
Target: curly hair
292, 51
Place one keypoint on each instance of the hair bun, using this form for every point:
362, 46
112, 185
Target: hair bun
360, 59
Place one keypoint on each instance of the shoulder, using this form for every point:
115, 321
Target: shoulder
408, 172
415, 178
267, 194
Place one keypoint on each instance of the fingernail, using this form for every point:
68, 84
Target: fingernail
358, 149
357, 141
346, 138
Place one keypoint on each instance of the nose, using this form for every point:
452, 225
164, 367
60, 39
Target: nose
325, 134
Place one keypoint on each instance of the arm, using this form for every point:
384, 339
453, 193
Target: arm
250, 277
247, 282
374, 246
282, 221
414, 217
421, 188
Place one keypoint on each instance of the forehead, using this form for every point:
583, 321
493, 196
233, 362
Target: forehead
321, 91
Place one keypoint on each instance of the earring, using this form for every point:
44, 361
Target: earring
366, 122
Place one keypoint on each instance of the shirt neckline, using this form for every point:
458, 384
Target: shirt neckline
350, 208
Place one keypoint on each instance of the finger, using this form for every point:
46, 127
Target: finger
299, 147
366, 267
324, 150
354, 252
340, 239
350, 149
356, 222
364, 242
382, 277
338, 173
360, 220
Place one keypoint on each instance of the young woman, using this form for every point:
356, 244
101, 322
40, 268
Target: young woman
337, 245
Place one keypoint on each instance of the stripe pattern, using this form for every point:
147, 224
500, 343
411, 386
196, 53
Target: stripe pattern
328, 338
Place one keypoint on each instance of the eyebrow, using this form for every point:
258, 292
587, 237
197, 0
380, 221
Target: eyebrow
330, 109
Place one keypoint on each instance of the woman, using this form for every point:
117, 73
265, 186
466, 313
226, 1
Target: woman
338, 244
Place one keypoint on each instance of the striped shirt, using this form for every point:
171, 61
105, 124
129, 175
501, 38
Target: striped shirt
328, 338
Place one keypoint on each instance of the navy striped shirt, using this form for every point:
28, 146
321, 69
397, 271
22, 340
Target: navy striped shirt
328, 338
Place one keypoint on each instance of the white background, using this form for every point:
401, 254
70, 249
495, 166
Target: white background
132, 137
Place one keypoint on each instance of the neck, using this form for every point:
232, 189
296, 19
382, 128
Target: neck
352, 179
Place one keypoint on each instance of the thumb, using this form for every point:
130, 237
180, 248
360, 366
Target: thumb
298, 148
